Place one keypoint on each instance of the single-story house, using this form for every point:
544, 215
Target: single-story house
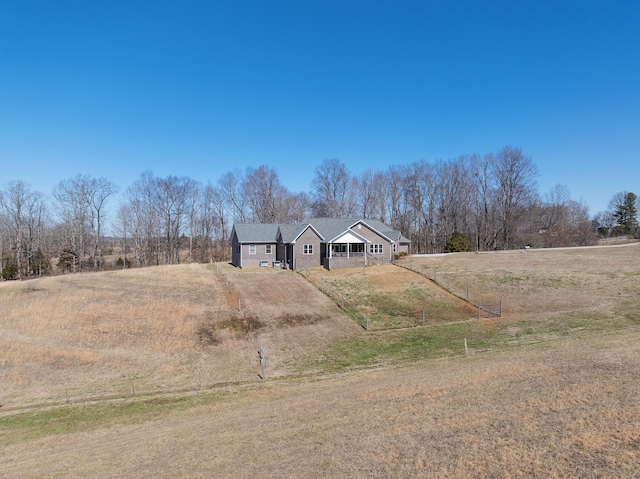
333, 243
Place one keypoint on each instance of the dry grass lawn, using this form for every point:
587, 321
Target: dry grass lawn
541, 283
155, 329
571, 410
160, 371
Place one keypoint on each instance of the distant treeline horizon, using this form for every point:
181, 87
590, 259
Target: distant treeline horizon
491, 200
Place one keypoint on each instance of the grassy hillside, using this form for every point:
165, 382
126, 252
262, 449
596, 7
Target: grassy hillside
548, 390
156, 329
568, 409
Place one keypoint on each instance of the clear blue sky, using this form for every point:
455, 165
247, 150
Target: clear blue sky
198, 88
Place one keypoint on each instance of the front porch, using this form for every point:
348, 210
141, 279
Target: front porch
341, 262
346, 251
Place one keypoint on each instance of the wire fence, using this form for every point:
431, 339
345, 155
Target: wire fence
443, 280
490, 310
379, 311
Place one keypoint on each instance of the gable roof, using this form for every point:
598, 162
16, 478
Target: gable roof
291, 233
256, 232
326, 228
349, 236
334, 227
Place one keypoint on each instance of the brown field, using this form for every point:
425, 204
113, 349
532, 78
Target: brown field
112, 334
538, 284
160, 371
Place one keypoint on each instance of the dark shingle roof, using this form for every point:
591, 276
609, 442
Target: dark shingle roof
291, 232
256, 232
328, 228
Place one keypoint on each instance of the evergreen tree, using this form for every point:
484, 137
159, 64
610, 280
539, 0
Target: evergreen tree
626, 212
458, 242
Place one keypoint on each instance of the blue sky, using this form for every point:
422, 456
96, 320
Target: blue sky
198, 88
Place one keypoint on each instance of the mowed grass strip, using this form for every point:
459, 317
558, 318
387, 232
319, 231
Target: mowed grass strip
389, 297
74, 418
417, 344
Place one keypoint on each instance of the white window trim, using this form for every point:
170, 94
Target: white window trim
307, 249
375, 248
268, 249
252, 247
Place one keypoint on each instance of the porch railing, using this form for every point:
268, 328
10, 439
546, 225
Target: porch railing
345, 255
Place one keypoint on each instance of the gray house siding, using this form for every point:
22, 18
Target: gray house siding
254, 259
375, 239
401, 247
343, 262
321, 235
312, 260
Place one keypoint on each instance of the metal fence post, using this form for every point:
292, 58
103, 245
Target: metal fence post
261, 354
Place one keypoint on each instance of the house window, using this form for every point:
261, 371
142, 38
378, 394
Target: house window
252, 249
375, 248
307, 249
395, 248
267, 249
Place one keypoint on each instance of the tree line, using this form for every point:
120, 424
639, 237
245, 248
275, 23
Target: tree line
474, 202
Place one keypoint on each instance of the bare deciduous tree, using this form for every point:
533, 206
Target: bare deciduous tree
23, 212
81, 202
516, 184
172, 202
229, 186
264, 195
367, 189
333, 190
